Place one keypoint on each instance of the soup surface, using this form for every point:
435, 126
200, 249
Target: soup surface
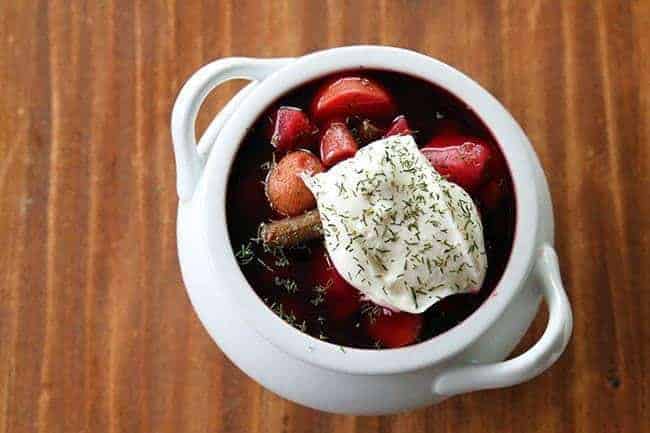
333, 118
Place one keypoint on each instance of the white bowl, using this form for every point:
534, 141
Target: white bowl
318, 374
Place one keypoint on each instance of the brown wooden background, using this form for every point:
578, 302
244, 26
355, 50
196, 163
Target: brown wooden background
96, 332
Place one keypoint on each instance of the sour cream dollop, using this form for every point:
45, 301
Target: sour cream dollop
397, 230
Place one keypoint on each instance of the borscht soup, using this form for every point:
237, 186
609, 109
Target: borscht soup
371, 209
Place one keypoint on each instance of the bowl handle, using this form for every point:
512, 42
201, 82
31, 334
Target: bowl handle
189, 161
534, 361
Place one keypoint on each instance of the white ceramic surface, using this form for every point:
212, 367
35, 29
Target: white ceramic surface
318, 374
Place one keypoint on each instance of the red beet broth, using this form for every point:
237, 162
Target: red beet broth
285, 279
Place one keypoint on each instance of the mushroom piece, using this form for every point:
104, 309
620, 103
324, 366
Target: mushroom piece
292, 231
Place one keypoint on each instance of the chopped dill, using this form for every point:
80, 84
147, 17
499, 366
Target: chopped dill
287, 283
264, 265
245, 254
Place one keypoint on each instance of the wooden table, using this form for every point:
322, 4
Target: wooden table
96, 331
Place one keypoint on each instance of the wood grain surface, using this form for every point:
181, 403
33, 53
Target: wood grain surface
96, 331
